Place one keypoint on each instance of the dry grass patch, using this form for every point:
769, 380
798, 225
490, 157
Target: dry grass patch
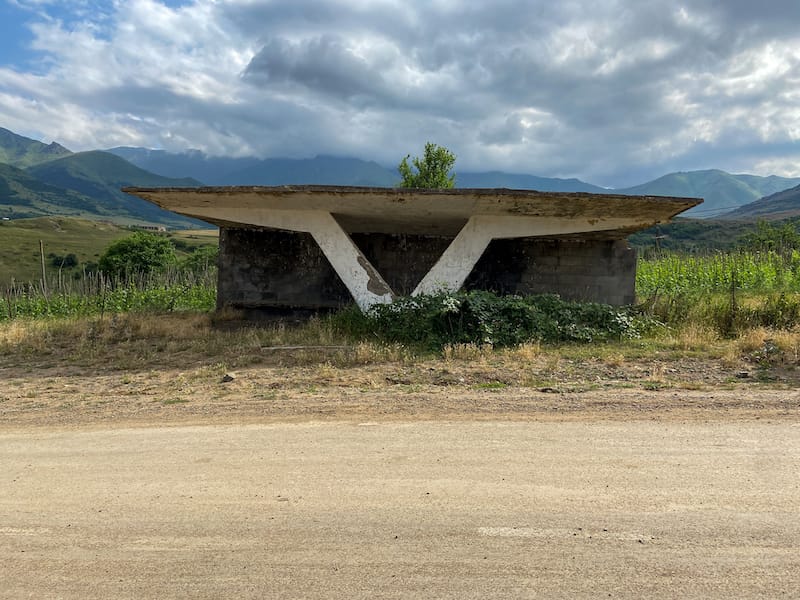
184, 339
694, 337
766, 346
316, 354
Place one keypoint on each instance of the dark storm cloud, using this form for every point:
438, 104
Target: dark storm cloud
323, 64
606, 90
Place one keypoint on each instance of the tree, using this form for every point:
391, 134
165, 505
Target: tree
200, 260
141, 252
432, 172
771, 236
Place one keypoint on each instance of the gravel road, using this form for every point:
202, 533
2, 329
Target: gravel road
389, 509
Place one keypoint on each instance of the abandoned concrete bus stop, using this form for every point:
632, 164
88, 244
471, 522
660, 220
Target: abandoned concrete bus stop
295, 249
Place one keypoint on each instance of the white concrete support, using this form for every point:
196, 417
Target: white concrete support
362, 279
458, 260
366, 285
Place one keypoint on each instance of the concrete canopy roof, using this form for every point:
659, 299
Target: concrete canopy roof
413, 211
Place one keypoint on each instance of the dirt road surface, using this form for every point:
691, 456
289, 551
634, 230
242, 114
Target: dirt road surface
610, 507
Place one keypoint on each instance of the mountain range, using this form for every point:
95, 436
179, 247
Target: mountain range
781, 205
39, 179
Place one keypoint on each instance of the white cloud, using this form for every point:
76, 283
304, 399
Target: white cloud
607, 91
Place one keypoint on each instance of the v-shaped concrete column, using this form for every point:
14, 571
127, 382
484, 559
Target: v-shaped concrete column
354, 269
458, 260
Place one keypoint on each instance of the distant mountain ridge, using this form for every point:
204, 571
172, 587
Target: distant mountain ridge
721, 191
192, 163
48, 179
321, 170
781, 205
499, 179
39, 179
101, 176
19, 151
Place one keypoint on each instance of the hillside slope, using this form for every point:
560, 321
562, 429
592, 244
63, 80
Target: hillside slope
782, 205
721, 191
20, 259
19, 151
100, 176
22, 196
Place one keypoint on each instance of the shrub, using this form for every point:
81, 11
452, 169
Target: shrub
139, 253
483, 318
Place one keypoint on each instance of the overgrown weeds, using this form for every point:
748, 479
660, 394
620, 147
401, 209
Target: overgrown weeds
477, 318
96, 294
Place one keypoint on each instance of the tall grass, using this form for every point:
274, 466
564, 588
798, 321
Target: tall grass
671, 274
730, 292
96, 294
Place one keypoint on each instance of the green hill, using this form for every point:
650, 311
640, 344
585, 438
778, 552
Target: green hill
23, 196
721, 191
19, 151
100, 175
775, 207
20, 259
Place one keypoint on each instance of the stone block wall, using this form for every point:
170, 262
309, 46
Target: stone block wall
586, 270
285, 273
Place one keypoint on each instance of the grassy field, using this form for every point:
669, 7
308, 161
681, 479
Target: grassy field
19, 243
723, 294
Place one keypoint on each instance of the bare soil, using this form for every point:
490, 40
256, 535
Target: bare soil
678, 390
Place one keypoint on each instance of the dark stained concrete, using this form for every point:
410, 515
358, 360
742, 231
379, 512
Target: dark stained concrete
278, 273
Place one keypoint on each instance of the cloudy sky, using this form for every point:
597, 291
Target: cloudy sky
614, 92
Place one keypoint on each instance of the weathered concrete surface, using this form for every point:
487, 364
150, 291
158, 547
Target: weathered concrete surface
584, 270
275, 270
403, 510
279, 271
470, 219
414, 211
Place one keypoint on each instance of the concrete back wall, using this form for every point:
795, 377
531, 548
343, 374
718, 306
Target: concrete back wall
280, 272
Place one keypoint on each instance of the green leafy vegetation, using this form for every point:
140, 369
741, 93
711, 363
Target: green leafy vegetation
433, 170
483, 318
779, 237
20, 259
141, 252
674, 274
97, 295
755, 285
691, 236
